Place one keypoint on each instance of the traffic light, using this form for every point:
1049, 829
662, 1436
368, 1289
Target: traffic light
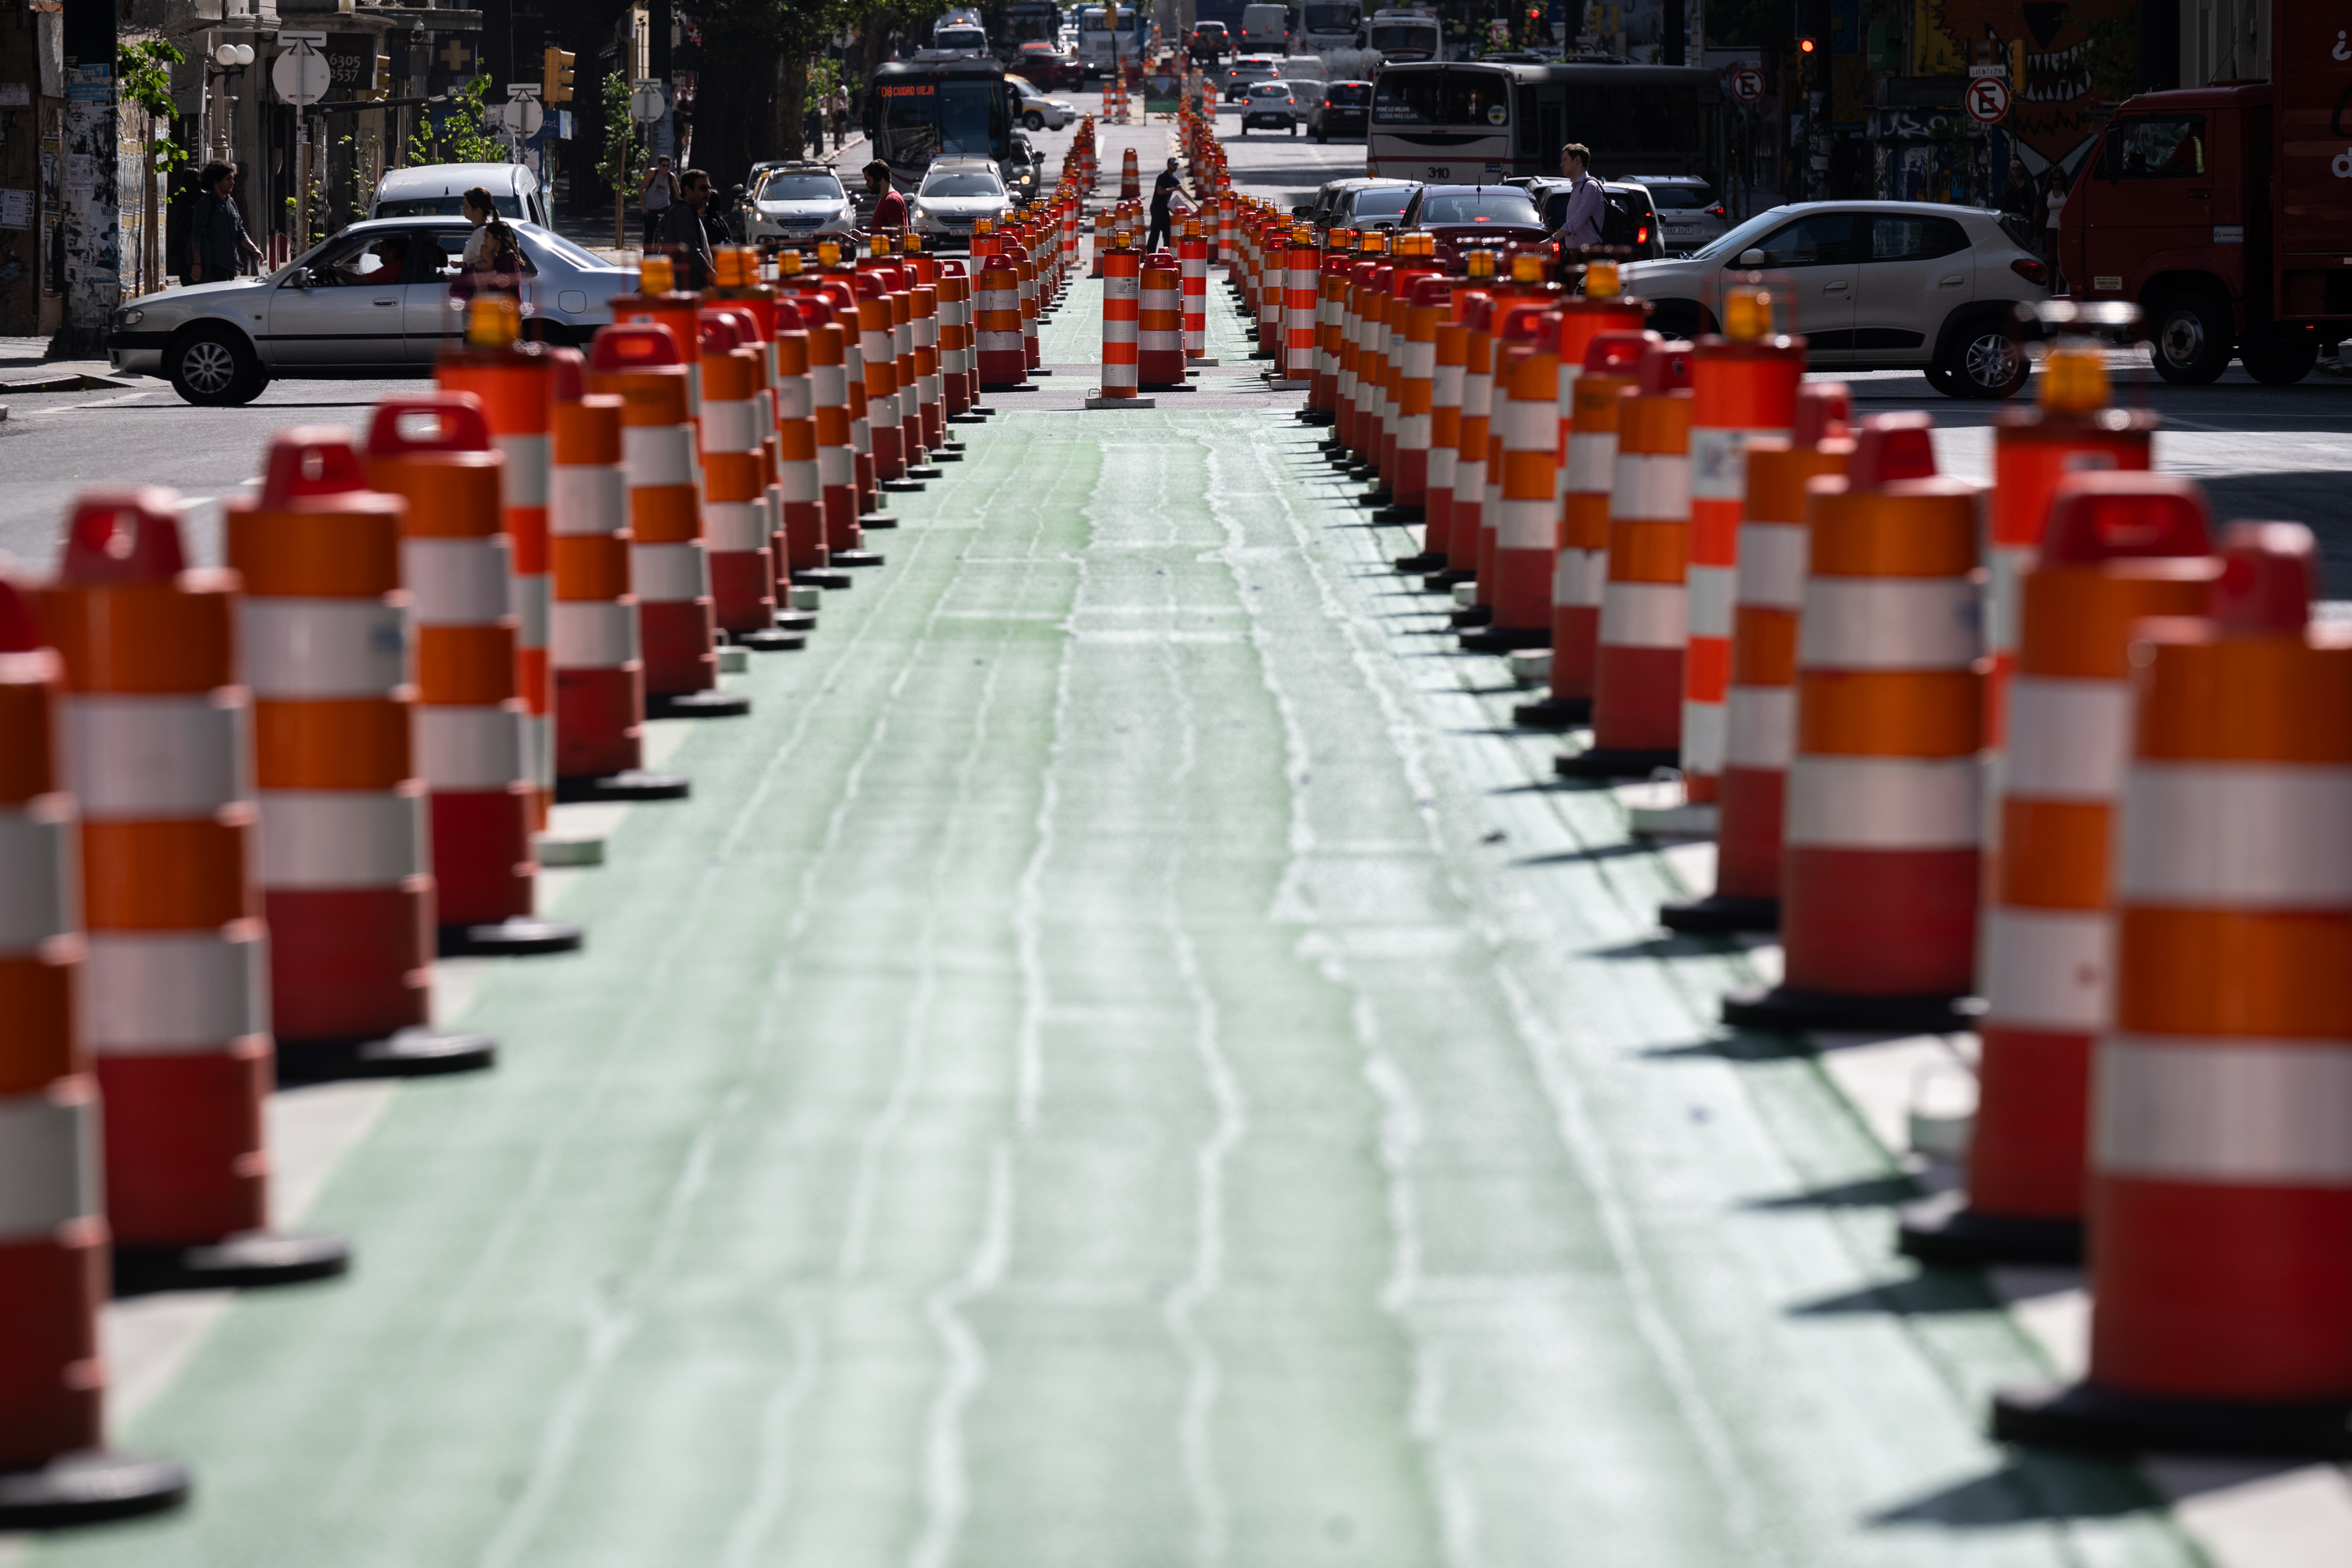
555, 77
1804, 46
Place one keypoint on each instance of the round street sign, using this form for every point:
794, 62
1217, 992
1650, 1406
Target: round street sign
300, 78
1747, 84
1987, 100
522, 116
647, 103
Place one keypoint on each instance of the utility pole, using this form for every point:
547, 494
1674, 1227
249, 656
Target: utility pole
93, 231
657, 30
498, 46
1678, 35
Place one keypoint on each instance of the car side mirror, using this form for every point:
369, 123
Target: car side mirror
1302, 209
1753, 259
298, 279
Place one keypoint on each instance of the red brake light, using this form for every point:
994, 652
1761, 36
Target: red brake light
2033, 271
1641, 234
1716, 211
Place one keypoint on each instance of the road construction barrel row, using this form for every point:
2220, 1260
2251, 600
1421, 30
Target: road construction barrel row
2057, 763
242, 811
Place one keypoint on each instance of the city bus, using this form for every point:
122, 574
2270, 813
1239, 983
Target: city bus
925, 109
1489, 121
1402, 36
1098, 42
1023, 21
1325, 26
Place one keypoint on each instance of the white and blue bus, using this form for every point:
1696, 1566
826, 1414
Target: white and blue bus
1097, 44
1488, 121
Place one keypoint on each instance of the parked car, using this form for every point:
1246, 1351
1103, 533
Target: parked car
1246, 72
1877, 286
794, 200
954, 192
1208, 43
1342, 109
1689, 215
1361, 202
1631, 223
382, 298
438, 190
1039, 112
1272, 104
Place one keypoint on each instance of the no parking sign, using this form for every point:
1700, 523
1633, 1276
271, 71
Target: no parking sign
1987, 100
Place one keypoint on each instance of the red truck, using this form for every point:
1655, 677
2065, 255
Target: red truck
2226, 211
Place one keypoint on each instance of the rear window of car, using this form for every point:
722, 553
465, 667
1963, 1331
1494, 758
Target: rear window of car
1682, 198
1480, 206
441, 206
1271, 89
1349, 94
1385, 202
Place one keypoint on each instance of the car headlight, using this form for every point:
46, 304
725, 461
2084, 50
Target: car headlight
128, 318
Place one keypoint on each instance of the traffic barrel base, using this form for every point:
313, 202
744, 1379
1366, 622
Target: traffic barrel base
1789, 1010
404, 1053
1553, 713
2107, 1420
1424, 562
1412, 511
856, 558
633, 784
877, 520
1943, 1230
89, 1488
1615, 761
517, 936
710, 704
1099, 400
822, 578
1505, 639
912, 484
246, 1259
771, 639
1720, 915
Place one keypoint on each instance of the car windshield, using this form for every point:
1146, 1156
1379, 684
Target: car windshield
1349, 94
961, 38
1385, 202
1742, 236
1480, 206
1682, 198
967, 185
800, 188
441, 206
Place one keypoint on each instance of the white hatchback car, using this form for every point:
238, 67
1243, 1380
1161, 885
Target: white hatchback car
1690, 215
954, 193
1276, 105
1877, 286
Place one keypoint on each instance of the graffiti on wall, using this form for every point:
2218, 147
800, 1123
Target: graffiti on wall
2067, 60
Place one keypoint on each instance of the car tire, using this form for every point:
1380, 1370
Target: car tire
2280, 356
2193, 337
1032, 121
1982, 361
214, 366
1684, 318
1940, 380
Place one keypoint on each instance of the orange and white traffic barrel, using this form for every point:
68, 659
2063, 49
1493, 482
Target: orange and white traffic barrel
1301, 279
999, 295
1130, 182
1349, 365
957, 388
1424, 304
1743, 386
2221, 1154
1371, 363
158, 750
1227, 251
435, 453
799, 540
1637, 666
55, 1468
1466, 514
658, 302
669, 564
1103, 221
1330, 291
1032, 353
735, 529
1527, 522
1193, 266
1879, 874
511, 378
1160, 323
600, 671
1761, 704
1122, 308
1613, 363
2120, 547
346, 877
878, 347
1449, 352
836, 449
1527, 309
2072, 428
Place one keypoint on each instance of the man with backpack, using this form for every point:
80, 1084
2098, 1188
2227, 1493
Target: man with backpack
217, 239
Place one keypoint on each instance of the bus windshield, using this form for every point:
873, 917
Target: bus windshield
1328, 18
1447, 98
927, 117
1394, 38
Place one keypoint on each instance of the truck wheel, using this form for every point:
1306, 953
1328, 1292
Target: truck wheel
1981, 361
2193, 337
2280, 356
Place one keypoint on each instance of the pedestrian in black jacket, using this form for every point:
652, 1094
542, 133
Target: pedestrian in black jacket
218, 242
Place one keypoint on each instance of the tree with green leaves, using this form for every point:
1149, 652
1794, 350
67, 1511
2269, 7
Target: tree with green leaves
463, 133
617, 166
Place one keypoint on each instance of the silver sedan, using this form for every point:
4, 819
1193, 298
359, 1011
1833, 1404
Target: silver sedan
376, 299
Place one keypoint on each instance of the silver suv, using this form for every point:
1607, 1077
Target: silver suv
1877, 286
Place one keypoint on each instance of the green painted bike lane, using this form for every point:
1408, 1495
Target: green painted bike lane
1122, 1060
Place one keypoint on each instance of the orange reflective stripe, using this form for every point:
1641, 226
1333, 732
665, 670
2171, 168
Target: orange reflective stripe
1887, 713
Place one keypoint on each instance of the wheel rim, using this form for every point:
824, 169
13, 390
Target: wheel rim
1988, 363
208, 367
2183, 338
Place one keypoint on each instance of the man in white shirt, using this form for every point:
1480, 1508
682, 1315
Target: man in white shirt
1581, 227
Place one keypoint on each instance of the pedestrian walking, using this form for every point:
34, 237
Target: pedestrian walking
1579, 226
2053, 199
839, 109
656, 193
812, 129
1166, 191
217, 243
889, 206
683, 236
